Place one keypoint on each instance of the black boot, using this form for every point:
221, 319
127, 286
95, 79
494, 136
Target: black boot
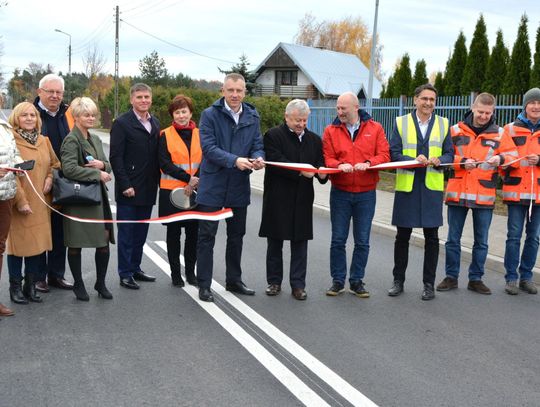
176, 278
102, 261
15, 292
29, 289
74, 260
190, 276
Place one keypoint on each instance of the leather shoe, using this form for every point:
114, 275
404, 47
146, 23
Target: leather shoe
205, 294
273, 289
428, 293
129, 282
42, 287
5, 311
299, 294
60, 283
396, 289
239, 288
142, 276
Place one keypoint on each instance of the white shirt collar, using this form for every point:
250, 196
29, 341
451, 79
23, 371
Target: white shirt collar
52, 114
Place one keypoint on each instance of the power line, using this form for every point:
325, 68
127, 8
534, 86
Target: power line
177, 46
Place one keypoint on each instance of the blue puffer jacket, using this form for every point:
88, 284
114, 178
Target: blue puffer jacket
221, 184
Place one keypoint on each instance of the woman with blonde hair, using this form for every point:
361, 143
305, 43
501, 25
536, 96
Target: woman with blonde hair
83, 159
30, 232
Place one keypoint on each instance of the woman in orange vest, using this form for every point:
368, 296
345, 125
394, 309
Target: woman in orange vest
180, 156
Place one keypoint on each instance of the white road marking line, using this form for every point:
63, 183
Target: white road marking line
341, 386
296, 386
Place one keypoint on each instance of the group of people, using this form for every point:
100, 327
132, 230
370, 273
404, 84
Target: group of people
210, 166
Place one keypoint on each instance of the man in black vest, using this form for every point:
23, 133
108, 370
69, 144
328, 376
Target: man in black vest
134, 160
56, 124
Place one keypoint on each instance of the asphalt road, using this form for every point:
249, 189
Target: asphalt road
160, 346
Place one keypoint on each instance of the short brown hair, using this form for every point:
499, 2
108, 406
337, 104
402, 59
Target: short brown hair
485, 99
179, 102
425, 86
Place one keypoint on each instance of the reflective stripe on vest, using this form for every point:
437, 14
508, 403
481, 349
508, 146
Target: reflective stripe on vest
407, 131
180, 157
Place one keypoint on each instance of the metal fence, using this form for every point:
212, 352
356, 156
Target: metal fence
385, 111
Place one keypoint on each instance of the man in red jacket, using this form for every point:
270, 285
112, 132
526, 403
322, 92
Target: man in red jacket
353, 143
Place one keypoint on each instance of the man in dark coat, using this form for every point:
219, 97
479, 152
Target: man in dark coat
232, 147
56, 122
287, 212
134, 160
423, 136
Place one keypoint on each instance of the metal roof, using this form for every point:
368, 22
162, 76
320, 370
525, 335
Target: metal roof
331, 72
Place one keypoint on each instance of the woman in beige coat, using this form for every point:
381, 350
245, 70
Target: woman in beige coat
30, 232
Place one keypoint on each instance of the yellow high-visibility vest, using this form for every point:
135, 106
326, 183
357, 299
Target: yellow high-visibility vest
407, 131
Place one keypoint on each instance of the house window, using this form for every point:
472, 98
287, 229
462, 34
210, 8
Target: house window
287, 78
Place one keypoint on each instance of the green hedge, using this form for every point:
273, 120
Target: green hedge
270, 108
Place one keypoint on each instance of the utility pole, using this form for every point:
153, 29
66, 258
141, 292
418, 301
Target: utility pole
116, 62
69, 47
369, 101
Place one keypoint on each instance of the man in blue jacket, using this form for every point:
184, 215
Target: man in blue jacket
232, 147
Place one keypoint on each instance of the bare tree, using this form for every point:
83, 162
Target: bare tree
93, 62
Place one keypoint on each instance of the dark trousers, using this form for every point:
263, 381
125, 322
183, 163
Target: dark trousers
15, 266
53, 263
274, 262
131, 238
236, 229
174, 233
431, 253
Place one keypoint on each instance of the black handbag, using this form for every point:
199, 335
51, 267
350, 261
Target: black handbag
69, 192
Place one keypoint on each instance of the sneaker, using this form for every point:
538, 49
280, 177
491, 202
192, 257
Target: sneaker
479, 287
511, 288
528, 286
359, 290
447, 284
336, 289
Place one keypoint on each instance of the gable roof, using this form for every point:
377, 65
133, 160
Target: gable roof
331, 72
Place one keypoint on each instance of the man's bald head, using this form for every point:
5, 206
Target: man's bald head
347, 108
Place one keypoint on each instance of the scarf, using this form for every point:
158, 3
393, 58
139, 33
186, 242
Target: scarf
29, 135
191, 125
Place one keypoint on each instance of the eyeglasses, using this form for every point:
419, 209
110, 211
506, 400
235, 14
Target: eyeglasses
53, 92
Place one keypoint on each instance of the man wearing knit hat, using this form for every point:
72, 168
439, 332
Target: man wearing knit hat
521, 193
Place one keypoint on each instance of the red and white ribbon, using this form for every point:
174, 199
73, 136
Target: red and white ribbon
303, 167
187, 215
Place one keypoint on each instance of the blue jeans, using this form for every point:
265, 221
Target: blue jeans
131, 238
517, 216
481, 222
360, 206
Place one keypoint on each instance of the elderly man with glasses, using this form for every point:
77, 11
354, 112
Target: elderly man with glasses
57, 122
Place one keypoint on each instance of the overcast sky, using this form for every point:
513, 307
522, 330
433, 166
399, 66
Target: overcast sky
224, 30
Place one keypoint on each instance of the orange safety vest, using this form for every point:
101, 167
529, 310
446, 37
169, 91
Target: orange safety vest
521, 184
476, 187
69, 118
189, 161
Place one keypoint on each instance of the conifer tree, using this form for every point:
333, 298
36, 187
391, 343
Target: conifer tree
439, 83
420, 75
497, 66
390, 88
403, 77
477, 60
518, 75
535, 73
455, 67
